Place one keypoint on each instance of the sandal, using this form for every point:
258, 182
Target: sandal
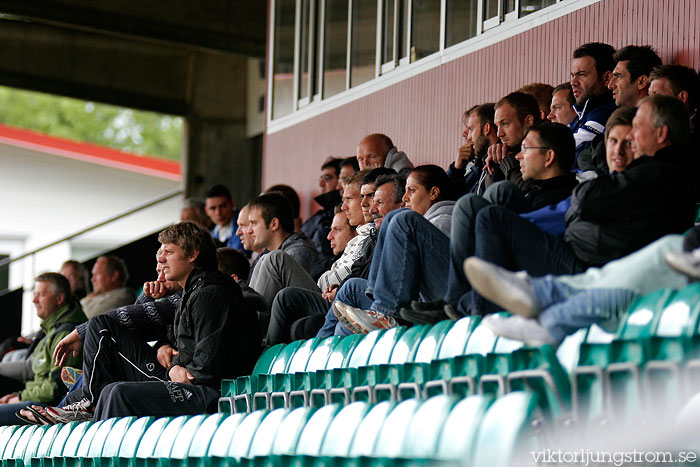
36, 418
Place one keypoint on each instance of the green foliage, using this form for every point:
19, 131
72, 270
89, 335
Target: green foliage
134, 131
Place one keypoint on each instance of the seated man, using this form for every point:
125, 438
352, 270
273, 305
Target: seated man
293, 303
562, 106
629, 84
109, 277
221, 210
610, 216
546, 159
318, 225
467, 171
35, 377
125, 376
514, 114
377, 150
194, 209
246, 239
78, 277
409, 259
272, 228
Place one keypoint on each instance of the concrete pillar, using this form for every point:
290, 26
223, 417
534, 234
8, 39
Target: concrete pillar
218, 150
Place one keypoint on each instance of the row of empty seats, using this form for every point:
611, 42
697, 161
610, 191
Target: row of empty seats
651, 357
477, 430
459, 358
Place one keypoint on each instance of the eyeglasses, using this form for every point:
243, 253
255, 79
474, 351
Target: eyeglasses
326, 178
526, 148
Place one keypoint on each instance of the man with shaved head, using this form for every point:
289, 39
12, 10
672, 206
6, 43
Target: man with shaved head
377, 150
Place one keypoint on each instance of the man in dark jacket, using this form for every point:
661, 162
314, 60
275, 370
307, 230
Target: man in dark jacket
467, 171
545, 161
212, 337
591, 71
610, 216
317, 227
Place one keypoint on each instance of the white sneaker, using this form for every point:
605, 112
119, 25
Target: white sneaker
528, 330
509, 290
687, 263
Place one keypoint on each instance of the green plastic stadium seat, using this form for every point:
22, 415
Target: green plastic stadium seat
283, 384
425, 428
185, 437
262, 384
290, 429
364, 380
45, 455
335, 384
368, 430
589, 388
315, 431
102, 450
501, 361
504, 433
429, 347
390, 442
221, 440
237, 394
630, 351
8, 449
407, 345
42, 436
70, 450
672, 355
264, 437
455, 341
101, 437
21, 446
203, 437
148, 441
239, 444
458, 436
341, 431
540, 371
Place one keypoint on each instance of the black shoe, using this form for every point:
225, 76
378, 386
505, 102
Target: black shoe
452, 313
422, 317
427, 306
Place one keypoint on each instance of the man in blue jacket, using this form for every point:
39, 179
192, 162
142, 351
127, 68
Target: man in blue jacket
591, 71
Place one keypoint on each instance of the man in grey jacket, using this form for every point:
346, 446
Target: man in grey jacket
272, 228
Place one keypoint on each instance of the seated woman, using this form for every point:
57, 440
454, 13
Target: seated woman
410, 258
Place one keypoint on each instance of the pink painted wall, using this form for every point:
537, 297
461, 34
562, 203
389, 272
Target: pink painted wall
422, 114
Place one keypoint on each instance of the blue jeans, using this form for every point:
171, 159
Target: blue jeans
462, 235
410, 259
507, 240
601, 295
566, 309
7, 412
352, 292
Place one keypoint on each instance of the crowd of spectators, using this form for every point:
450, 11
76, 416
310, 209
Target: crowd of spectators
563, 199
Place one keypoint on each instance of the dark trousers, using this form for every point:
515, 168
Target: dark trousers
158, 399
463, 235
292, 304
507, 240
122, 374
112, 353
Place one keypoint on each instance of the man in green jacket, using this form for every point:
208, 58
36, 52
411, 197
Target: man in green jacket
35, 378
